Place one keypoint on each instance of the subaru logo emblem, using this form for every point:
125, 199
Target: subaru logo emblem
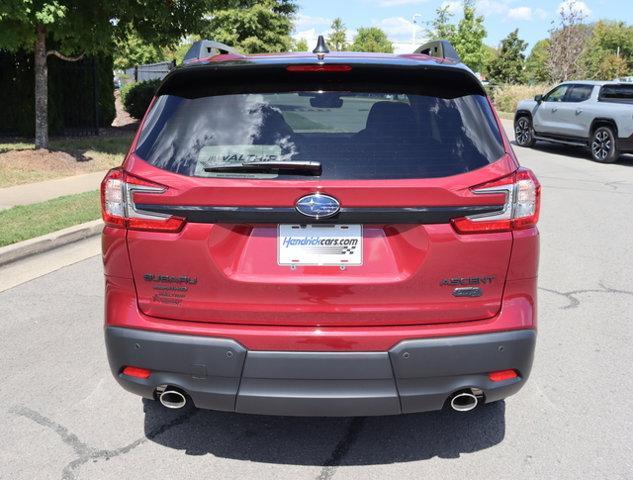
318, 206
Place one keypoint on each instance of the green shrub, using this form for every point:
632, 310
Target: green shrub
506, 97
125, 88
136, 97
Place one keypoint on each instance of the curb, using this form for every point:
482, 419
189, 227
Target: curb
50, 241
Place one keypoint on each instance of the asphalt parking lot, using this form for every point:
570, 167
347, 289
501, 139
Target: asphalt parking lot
63, 415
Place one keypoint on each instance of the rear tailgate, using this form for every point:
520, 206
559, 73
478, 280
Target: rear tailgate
228, 272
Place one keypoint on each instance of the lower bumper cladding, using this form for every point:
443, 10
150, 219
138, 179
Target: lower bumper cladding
413, 376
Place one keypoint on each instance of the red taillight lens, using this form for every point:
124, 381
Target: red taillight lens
171, 224
112, 198
502, 375
118, 209
319, 68
521, 209
466, 225
136, 372
527, 202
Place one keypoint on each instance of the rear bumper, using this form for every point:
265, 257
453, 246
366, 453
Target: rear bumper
415, 375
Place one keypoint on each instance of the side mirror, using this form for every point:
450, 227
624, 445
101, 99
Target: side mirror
538, 98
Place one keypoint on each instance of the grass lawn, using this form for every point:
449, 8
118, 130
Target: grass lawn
28, 221
21, 163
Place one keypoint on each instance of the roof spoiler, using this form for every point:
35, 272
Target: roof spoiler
439, 48
206, 48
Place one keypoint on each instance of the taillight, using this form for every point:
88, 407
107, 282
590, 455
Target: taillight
113, 199
520, 210
118, 208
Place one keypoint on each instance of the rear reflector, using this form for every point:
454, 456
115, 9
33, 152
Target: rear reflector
520, 211
118, 209
502, 375
136, 372
319, 68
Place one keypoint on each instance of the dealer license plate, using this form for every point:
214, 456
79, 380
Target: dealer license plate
320, 245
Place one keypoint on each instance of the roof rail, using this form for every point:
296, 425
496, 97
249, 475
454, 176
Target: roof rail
206, 48
439, 48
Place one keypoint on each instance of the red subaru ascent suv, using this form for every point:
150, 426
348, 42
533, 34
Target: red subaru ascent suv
321, 234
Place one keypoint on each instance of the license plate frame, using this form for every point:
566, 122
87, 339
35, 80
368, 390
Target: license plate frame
320, 245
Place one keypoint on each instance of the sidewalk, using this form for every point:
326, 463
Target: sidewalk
42, 191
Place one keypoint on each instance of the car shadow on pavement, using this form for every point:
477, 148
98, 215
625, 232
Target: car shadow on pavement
573, 151
323, 441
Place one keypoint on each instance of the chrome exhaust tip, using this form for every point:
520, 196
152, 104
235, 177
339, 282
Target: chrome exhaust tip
465, 401
172, 398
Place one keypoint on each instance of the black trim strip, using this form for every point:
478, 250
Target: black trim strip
575, 141
364, 215
625, 144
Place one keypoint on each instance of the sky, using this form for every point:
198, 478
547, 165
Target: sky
533, 18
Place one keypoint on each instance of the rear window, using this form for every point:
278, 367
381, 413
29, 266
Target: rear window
351, 135
617, 93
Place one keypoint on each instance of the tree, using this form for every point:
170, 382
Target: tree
253, 26
536, 65
132, 50
467, 36
300, 45
441, 28
178, 52
338, 38
611, 67
568, 39
371, 39
490, 54
468, 39
508, 66
77, 27
609, 51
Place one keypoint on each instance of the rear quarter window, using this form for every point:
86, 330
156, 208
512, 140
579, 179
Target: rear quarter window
616, 93
352, 134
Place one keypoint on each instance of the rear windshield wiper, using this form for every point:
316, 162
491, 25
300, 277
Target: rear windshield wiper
307, 168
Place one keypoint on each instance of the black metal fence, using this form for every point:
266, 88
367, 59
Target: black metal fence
80, 95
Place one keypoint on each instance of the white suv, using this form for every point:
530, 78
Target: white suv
598, 115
